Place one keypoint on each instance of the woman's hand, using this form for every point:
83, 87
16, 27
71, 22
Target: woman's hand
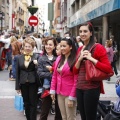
49, 67
70, 103
35, 62
81, 56
53, 97
87, 54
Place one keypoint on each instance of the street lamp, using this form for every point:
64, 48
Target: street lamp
43, 27
1, 18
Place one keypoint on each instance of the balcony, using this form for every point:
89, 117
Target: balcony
25, 2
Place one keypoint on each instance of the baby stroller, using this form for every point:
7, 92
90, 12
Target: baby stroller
39, 105
104, 107
114, 112
109, 110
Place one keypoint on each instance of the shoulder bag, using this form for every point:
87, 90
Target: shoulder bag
93, 73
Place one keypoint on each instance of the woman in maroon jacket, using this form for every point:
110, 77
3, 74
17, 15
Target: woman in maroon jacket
88, 92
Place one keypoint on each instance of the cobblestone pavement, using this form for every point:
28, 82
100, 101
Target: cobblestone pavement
7, 93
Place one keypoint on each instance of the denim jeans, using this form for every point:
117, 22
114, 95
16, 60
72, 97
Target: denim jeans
14, 60
9, 58
46, 83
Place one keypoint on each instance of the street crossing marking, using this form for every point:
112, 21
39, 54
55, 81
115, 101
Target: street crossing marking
6, 97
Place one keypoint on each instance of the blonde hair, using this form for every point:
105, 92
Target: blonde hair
30, 41
12, 39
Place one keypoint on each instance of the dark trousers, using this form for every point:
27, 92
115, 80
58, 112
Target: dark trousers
29, 93
114, 67
46, 105
87, 101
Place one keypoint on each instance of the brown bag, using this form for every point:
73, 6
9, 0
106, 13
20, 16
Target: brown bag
93, 73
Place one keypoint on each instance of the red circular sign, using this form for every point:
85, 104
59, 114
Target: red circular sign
33, 21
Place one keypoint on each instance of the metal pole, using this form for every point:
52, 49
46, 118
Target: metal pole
1, 25
32, 28
32, 2
50, 27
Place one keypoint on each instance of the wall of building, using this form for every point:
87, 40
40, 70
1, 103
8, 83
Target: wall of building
102, 13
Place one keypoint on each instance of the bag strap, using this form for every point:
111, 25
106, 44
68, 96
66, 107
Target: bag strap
93, 48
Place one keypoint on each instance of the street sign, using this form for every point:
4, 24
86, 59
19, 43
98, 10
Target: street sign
33, 21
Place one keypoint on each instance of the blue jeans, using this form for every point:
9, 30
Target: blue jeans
9, 58
14, 60
46, 83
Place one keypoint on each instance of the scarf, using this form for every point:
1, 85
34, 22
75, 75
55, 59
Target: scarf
28, 56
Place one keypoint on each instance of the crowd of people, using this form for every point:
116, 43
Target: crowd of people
60, 67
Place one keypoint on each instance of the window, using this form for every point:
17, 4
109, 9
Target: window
83, 2
59, 6
77, 5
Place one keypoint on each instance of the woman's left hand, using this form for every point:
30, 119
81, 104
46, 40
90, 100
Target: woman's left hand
88, 56
70, 103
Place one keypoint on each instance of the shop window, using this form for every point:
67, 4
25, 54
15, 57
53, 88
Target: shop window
59, 6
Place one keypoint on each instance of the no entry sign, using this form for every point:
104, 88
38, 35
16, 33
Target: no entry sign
33, 21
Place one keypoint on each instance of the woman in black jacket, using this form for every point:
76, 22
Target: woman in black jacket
47, 59
26, 78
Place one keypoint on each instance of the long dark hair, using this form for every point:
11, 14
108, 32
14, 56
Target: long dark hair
92, 41
72, 56
55, 44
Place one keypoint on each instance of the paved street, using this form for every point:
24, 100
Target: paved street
7, 93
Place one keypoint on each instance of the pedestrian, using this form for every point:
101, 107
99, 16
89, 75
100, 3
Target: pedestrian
16, 46
109, 50
51, 68
115, 57
47, 59
64, 81
9, 56
79, 42
26, 82
88, 92
58, 50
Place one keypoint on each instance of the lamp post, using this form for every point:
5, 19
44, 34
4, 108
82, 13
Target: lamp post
43, 27
1, 18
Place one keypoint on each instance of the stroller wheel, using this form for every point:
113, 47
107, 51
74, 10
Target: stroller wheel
24, 112
52, 111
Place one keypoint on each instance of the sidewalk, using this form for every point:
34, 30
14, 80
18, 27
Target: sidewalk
7, 93
8, 88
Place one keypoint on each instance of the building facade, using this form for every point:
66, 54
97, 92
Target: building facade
4, 21
15, 15
57, 24
102, 13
